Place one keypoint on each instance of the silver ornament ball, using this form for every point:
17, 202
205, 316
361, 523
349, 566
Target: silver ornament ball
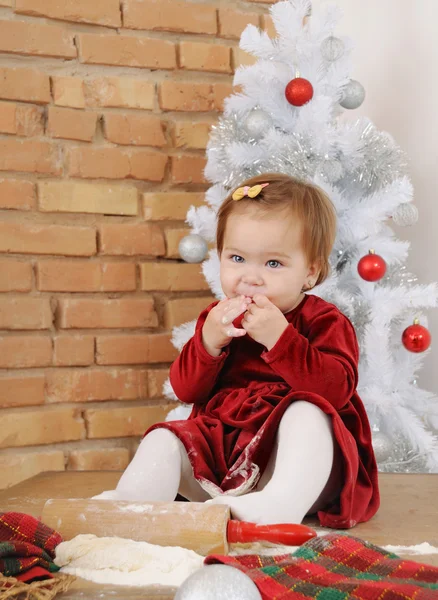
353, 95
405, 215
432, 418
332, 48
218, 582
193, 248
382, 446
332, 170
257, 123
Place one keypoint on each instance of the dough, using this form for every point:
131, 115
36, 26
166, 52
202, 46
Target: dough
119, 561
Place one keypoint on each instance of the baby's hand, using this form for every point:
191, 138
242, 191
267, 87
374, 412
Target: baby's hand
218, 329
264, 322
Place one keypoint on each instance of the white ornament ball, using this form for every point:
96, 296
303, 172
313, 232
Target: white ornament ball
257, 123
353, 95
332, 170
332, 48
193, 248
218, 582
405, 214
382, 446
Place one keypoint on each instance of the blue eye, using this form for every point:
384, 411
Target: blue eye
236, 258
274, 264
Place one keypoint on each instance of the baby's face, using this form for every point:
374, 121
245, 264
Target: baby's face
263, 254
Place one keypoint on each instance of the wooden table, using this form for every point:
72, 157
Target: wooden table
408, 516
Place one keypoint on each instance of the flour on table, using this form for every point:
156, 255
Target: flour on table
424, 548
120, 561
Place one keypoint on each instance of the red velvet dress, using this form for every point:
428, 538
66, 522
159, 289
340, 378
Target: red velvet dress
240, 397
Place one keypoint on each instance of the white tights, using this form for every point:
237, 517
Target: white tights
302, 476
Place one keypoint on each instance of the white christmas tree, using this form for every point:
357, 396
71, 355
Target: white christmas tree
364, 173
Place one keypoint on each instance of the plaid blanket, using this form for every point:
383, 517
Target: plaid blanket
27, 547
336, 567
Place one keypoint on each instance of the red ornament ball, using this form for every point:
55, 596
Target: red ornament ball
416, 338
371, 267
299, 91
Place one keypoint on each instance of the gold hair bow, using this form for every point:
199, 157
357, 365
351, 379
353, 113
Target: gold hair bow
251, 192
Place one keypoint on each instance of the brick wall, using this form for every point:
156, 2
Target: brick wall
105, 110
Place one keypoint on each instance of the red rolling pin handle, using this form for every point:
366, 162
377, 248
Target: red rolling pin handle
289, 534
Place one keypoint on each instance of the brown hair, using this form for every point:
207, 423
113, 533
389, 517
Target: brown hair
305, 201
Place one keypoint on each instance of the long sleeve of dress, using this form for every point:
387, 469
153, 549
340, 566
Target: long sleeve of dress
194, 373
324, 361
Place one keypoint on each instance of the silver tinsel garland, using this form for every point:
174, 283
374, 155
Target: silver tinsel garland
382, 161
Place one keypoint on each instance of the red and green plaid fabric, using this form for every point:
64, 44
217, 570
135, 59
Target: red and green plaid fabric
27, 547
337, 567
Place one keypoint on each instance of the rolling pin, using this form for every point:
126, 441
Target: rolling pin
204, 528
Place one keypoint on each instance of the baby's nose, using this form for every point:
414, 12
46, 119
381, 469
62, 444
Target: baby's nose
252, 277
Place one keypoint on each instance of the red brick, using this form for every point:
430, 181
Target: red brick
242, 58
192, 135
134, 130
188, 169
71, 124
120, 92
21, 119
114, 163
25, 351
168, 15
122, 349
172, 277
73, 350
17, 194
200, 56
107, 314
68, 91
48, 425
181, 310
30, 120
185, 96
74, 196
107, 459
221, 91
36, 39
124, 421
27, 85
156, 380
128, 51
92, 385
134, 349
173, 237
19, 467
132, 239
233, 22
98, 12
21, 390
85, 276
8, 111
23, 238
15, 275
25, 313
170, 206
148, 165
29, 155
268, 26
